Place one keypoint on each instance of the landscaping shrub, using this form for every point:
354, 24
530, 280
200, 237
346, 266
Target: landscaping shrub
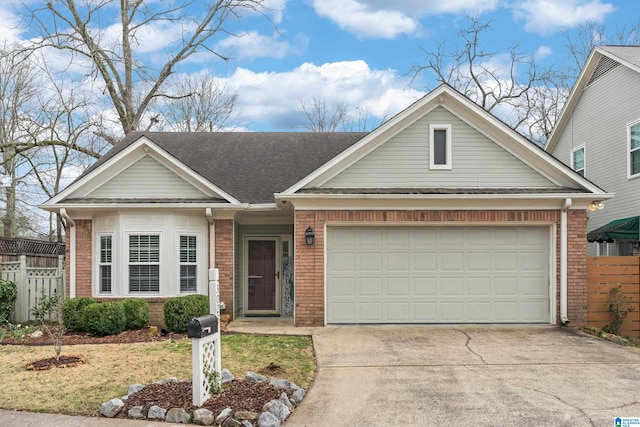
179, 311
72, 313
8, 295
106, 318
136, 310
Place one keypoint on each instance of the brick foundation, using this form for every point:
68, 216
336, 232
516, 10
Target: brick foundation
310, 263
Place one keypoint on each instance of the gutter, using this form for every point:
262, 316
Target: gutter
212, 237
72, 251
563, 261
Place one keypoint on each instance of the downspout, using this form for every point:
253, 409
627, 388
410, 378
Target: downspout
212, 237
72, 251
563, 261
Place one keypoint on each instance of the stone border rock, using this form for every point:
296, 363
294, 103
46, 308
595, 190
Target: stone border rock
275, 412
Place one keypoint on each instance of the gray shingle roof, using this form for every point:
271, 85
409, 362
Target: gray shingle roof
250, 166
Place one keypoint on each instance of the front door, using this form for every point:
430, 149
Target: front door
261, 269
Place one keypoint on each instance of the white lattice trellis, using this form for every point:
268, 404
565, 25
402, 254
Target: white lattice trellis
205, 359
206, 352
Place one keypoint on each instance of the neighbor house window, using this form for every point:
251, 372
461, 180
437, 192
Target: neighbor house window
144, 263
440, 146
633, 131
577, 160
106, 250
188, 263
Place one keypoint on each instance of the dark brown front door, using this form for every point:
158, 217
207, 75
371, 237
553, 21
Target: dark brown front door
262, 275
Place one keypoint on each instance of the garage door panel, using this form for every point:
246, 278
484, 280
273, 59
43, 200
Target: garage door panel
424, 286
369, 262
343, 287
343, 312
452, 312
398, 261
451, 261
370, 311
438, 274
425, 261
398, 312
479, 286
398, 286
479, 312
370, 286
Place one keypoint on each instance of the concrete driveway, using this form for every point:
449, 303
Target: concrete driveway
468, 375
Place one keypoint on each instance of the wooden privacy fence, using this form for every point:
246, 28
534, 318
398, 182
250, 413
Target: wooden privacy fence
605, 273
35, 266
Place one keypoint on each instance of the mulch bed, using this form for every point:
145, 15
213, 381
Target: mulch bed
239, 395
52, 362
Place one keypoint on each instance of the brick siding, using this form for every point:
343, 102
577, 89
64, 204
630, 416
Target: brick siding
224, 260
310, 268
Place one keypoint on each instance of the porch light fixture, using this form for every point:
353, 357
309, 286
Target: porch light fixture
309, 236
595, 205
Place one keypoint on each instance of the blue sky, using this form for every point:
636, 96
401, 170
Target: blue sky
360, 52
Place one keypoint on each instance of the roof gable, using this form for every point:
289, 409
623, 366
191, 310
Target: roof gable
601, 60
141, 170
403, 161
492, 129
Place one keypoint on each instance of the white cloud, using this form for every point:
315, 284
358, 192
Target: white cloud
270, 99
253, 45
542, 52
433, 7
546, 16
387, 20
365, 22
9, 31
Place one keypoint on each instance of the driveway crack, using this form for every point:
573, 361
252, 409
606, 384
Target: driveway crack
479, 356
584, 414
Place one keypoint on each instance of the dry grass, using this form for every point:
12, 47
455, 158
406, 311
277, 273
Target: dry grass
111, 368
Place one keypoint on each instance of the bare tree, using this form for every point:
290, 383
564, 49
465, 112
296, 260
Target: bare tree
78, 28
18, 89
511, 86
320, 118
200, 103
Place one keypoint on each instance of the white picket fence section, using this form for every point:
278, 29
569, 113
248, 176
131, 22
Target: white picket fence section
30, 282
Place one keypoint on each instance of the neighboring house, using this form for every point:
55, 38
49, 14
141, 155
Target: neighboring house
598, 135
443, 214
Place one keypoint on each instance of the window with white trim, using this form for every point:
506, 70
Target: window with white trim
439, 146
633, 135
144, 263
105, 266
188, 263
578, 160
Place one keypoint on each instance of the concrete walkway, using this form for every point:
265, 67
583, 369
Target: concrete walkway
444, 375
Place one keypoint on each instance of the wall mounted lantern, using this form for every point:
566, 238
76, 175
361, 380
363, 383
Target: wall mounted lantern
309, 236
595, 205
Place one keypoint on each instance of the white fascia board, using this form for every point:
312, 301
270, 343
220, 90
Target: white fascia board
128, 156
575, 94
373, 140
520, 147
443, 202
148, 206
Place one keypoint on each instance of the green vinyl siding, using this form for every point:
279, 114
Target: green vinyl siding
147, 178
403, 161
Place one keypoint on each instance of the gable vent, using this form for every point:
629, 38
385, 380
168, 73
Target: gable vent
605, 65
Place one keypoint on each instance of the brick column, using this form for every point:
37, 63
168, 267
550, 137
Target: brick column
309, 271
224, 261
577, 267
84, 248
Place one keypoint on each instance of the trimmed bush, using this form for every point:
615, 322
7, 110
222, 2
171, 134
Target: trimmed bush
136, 310
179, 311
8, 295
72, 313
106, 318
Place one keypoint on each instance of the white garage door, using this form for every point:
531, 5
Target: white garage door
438, 275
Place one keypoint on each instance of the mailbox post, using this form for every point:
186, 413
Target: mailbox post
205, 344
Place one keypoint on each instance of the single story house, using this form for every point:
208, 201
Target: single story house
443, 214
